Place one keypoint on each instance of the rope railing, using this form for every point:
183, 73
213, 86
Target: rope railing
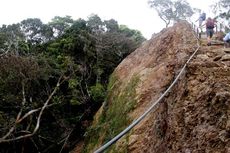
196, 29
135, 122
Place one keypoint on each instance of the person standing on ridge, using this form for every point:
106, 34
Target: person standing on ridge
210, 25
201, 18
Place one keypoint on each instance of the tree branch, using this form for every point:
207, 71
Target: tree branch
18, 120
67, 137
19, 114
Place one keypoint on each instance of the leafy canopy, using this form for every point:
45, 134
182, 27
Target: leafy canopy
169, 10
34, 56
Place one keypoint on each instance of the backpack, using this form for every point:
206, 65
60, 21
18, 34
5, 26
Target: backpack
210, 24
203, 16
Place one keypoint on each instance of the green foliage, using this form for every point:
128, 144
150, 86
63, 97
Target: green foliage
23, 48
73, 83
15, 73
95, 24
222, 9
111, 25
11, 39
135, 34
97, 92
169, 10
60, 24
75, 101
115, 118
85, 52
35, 30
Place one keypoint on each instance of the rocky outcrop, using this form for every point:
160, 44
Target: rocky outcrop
193, 117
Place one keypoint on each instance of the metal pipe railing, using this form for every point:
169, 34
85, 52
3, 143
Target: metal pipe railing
138, 120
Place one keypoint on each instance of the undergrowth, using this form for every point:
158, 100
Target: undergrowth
114, 118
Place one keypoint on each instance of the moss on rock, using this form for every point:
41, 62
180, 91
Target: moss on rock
115, 116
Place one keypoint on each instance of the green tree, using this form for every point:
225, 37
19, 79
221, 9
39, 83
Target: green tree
12, 39
111, 25
182, 10
60, 24
82, 55
32, 29
95, 24
27, 86
135, 34
35, 31
222, 10
170, 11
164, 9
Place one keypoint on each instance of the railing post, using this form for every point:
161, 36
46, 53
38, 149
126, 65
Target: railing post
221, 26
198, 33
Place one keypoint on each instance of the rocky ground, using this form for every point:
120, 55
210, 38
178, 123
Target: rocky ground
195, 116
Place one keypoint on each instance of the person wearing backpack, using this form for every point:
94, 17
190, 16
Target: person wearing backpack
210, 25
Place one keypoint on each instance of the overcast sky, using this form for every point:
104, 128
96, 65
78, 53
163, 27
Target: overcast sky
136, 14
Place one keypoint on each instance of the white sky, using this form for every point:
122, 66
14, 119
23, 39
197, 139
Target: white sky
136, 14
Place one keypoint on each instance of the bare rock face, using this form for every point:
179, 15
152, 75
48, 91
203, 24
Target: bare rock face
193, 117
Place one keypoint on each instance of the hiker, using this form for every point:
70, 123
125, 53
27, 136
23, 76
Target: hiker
201, 18
226, 40
210, 25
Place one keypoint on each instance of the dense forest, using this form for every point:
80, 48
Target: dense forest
54, 77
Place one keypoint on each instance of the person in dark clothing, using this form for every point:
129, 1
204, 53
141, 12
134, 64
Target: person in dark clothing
210, 25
